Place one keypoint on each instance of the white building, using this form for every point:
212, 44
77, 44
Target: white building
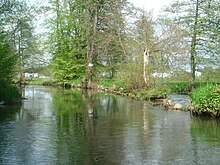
31, 75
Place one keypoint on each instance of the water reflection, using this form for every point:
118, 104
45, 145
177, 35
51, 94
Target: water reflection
207, 130
58, 126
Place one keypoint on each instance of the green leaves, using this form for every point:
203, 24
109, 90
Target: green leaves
206, 99
67, 40
8, 60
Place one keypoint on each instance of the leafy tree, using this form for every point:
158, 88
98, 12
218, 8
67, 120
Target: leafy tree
67, 39
8, 92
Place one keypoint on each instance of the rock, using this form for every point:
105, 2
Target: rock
167, 103
177, 106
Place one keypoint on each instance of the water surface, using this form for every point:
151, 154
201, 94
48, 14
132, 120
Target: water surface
56, 126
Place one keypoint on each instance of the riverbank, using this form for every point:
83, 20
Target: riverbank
206, 101
110, 86
9, 94
157, 95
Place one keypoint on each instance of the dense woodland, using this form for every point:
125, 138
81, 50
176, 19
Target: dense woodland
98, 40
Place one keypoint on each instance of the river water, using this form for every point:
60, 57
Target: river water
60, 127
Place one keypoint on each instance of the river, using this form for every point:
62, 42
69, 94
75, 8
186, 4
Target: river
59, 127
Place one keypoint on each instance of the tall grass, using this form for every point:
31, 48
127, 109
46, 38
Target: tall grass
184, 87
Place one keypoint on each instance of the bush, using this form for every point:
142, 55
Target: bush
206, 100
9, 93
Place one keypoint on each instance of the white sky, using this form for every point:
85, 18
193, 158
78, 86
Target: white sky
152, 5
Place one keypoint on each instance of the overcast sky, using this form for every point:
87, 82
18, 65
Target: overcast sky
154, 5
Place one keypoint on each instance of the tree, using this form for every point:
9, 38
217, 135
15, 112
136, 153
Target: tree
85, 37
67, 39
155, 46
7, 62
8, 92
91, 32
17, 22
139, 38
200, 19
111, 38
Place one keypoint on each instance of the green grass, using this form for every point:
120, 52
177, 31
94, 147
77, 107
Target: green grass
109, 83
37, 81
179, 87
184, 87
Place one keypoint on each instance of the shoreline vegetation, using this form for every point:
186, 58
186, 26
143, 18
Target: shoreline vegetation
9, 94
115, 47
205, 98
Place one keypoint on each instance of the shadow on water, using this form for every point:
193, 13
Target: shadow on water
8, 113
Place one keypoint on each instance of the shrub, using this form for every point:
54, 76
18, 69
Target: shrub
9, 93
206, 100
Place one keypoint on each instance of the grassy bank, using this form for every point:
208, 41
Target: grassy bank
184, 88
206, 100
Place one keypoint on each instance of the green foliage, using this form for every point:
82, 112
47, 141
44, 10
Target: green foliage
154, 93
202, 26
8, 92
111, 83
179, 87
131, 74
207, 99
7, 60
184, 87
67, 40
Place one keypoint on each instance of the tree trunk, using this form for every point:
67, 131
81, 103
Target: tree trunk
90, 34
146, 61
193, 48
